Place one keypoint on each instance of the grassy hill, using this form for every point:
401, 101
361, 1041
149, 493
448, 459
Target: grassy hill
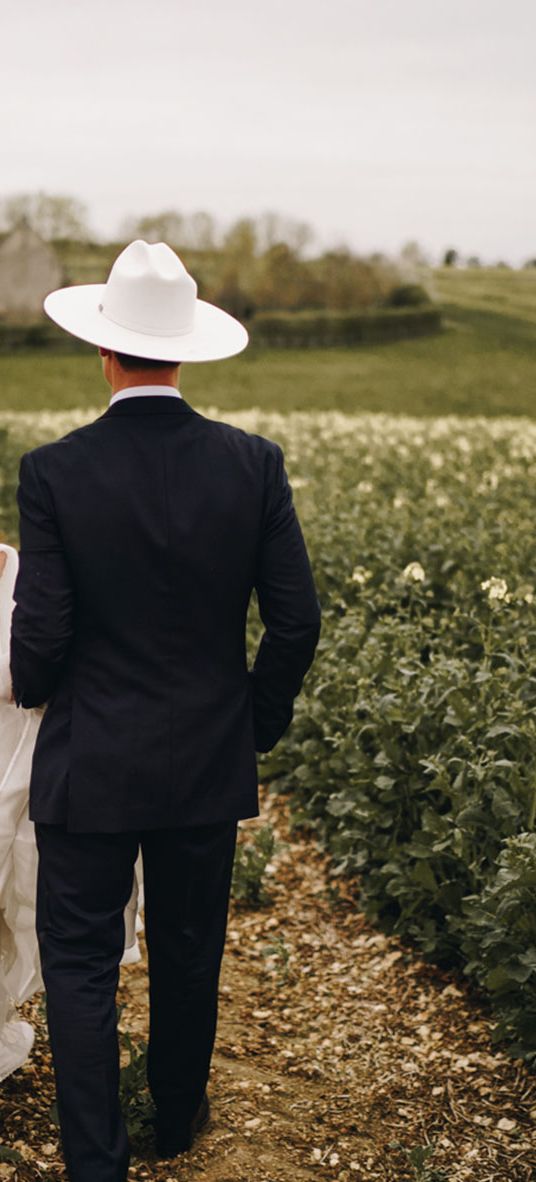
498, 290
484, 362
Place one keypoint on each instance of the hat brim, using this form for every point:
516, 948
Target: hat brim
215, 334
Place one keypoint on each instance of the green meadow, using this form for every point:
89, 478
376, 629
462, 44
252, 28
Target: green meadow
483, 362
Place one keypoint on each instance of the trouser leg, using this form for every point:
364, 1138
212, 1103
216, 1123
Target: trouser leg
187, 877
83, 885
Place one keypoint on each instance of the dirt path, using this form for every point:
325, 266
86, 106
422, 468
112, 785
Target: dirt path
338, 1056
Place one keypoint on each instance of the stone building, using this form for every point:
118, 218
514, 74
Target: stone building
29, 269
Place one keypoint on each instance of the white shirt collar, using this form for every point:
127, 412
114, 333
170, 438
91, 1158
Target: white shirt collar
142, 391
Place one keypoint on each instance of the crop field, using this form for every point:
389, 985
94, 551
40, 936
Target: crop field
413, 749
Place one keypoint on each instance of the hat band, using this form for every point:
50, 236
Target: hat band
173, 332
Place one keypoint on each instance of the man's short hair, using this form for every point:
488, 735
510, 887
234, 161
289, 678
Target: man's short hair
127, 361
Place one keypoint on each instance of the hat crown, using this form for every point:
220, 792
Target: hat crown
150, 291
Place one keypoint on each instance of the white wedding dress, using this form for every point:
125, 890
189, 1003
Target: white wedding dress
20, 974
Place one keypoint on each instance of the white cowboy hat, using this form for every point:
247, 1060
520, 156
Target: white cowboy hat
148, 308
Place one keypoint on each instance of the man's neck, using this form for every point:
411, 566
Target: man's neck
146, 377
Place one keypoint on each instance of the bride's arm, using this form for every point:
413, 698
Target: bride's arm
6, 688
42, 619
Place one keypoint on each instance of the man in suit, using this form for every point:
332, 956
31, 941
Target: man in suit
142, 536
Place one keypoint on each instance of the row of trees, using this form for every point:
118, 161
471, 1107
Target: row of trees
279, 279
57, 216
260, 263
453, 258
51, 215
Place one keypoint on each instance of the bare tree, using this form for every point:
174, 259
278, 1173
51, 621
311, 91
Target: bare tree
167, 226
51, 215
200, 232
241, 239
273, 229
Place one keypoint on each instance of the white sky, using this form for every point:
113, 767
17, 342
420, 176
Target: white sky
377, 121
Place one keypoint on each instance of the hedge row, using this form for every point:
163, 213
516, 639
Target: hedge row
328, 329
20, 338
270, 329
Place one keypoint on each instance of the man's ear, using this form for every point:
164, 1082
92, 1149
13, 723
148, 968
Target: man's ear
104, 352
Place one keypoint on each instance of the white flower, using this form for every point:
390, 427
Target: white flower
529, 597
364, 486
497, 589
361, 575
399, 502
413, 573
442, 501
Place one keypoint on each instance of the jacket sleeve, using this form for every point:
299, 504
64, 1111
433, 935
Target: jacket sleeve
289, 609
42, 619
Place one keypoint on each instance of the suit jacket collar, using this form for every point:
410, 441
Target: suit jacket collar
149, 404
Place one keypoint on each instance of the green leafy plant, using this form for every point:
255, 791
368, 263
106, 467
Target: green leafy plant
253, 856
498, 937
134, 1096
418, 1159
7, 1154
278, 954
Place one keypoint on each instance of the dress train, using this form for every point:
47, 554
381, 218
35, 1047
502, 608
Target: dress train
20, 973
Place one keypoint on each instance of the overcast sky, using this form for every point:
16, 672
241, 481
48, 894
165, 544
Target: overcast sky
377, 121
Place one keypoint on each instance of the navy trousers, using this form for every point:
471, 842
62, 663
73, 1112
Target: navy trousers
83, 885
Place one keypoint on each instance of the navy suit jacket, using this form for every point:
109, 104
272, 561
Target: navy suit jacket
142, 536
